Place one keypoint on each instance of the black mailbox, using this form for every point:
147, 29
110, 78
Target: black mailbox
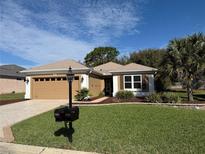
64, 113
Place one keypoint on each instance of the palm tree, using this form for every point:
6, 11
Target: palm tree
185, 59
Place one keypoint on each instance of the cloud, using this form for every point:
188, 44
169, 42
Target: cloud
114, 18
38, 45
44, 31
21, 38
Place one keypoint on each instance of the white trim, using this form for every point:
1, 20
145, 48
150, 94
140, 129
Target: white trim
28, 88
84, 80
151, 83
132, 82
56, 69
118, 71
60, 70
115, 85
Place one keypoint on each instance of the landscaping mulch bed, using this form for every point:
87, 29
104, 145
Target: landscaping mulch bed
5, 102
142, 100
115, 100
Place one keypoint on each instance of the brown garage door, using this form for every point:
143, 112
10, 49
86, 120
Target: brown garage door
52, 87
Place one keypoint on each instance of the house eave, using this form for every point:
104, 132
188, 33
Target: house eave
133, 71
55, 71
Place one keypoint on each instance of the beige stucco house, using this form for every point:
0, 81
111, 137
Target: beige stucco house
49, 81
11, 80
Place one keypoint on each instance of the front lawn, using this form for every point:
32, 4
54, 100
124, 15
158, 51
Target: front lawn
11, 96
120, 129
199, 95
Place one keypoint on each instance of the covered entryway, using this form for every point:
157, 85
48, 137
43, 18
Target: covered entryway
108, 86
53, 87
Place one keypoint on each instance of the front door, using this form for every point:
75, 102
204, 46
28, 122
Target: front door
108, 87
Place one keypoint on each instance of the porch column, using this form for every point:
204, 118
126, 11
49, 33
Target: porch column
84, 81
151, 83
115, 85
28, 88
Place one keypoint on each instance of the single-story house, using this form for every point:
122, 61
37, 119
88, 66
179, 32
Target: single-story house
11, 80
50, 82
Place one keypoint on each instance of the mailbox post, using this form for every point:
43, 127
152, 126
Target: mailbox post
67, 113
70, 77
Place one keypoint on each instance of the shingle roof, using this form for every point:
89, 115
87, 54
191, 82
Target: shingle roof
107, 67
58, 66
111, 67
138, 67
11, 71
104, 69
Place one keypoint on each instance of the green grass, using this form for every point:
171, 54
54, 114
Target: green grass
199, 95
121, 129
12, 96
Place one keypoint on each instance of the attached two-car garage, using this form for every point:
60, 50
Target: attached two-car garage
49, 81
52, 87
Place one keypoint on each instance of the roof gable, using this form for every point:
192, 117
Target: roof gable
135, 66
58, 67
107, 67
64, 64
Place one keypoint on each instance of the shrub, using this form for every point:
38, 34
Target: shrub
82, 94
101, 94
125, 94
154, 98
170, 98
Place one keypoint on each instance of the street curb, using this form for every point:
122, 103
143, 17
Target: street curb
30, 149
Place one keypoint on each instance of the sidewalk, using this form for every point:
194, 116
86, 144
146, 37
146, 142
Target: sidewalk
96, 101
10, 148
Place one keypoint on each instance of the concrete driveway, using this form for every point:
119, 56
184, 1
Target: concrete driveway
13, 113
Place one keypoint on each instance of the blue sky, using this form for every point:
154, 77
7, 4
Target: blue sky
38, 32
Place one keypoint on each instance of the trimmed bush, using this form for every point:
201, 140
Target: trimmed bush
82, 94
167, 97
170, 98
154, 98
125, 94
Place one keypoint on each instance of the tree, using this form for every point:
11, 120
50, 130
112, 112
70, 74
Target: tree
148, 57
185, 60
152, 58
100, 56
123, 60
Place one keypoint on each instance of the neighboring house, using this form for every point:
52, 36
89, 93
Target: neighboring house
49, 81
11, 80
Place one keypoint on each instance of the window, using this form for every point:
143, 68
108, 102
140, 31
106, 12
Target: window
41, 79
137, 82
58, 79
128, 82
36, 79
133, 82
76, 78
